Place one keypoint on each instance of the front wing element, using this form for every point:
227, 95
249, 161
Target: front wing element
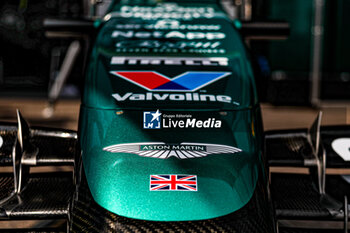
36, 175
309, 179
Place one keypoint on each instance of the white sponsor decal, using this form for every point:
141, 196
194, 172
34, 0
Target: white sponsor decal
342, 147
148, 96
168, 35
158, 120
151, 120
166, 7
168, 24
165, 11
190, 61
161, 150
191, 123
1, 141
155, 44
173, 51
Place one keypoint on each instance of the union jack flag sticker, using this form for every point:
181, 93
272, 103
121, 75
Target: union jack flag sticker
173, 183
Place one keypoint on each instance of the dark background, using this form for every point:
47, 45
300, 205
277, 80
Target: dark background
29, 61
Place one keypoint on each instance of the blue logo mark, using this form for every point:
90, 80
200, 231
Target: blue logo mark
152, 120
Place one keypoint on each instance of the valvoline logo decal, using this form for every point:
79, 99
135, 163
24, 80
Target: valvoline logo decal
186, 82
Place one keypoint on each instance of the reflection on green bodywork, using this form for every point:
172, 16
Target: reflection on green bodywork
225, 181
119, 181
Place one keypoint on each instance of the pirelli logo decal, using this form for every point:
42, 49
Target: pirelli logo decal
188, 61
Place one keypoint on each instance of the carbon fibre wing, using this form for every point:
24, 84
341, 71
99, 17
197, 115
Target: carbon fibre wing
36, 176
309, 179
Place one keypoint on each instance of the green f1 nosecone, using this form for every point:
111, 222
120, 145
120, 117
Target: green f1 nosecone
168, 114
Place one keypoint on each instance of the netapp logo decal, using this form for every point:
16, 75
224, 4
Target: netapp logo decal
170, 35
190, 61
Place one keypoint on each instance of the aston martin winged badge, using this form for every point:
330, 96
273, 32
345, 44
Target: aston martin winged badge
161, 150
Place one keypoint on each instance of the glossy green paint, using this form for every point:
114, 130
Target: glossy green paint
120, 182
